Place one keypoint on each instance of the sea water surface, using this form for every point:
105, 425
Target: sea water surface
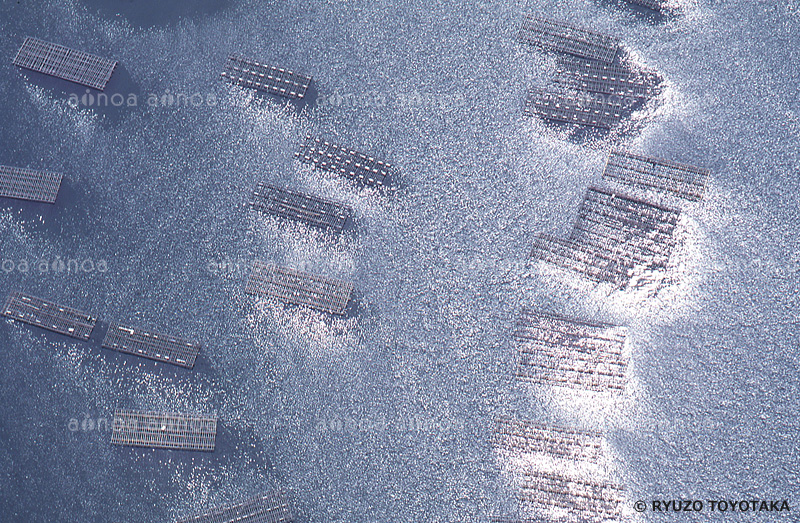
386, 414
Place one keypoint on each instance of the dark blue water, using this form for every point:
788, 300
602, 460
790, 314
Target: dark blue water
386, 415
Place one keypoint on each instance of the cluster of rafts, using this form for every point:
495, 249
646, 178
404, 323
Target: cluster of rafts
563, 472
595, 84
619, 235
623, 232
615, 238
191, 431
283, 283
622, 238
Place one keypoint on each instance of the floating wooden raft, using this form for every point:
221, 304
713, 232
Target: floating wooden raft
637, 232
598, 264
27, 184
519, 437
152, 345
48, 315
561, 351
614, 238
594, 501
580, 108
65, 63
592, 76
163, 430
265, 508
353, 164
291, 286
685, 181
564, 38
273, 80
313, 210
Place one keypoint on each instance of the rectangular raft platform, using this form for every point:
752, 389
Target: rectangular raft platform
565, 352
65, 63
584, 500
299, 288
164, 430
312, 210
151, 345
28, 184
684, 181
558, 36
580, 108
48, 315
621, 80
249, 73
597, 264
520, 437
265, 508
347, 162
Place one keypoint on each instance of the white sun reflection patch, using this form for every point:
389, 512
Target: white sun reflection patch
318, 334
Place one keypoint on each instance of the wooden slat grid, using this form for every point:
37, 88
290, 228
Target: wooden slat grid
353, 164
685, 181
566, 352
614, 238
518, 437
564, 38
299, 288
164, 430
265, 508
28, 184
313, 210
638, 233
151, 345
63, 62
47, 315
273, 80
596, 263
586, 500
588, 75
581, 108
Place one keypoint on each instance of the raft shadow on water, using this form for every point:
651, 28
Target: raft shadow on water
72, 208
120, 96
638, 12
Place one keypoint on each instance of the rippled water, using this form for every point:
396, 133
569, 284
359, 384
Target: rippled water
386, 414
